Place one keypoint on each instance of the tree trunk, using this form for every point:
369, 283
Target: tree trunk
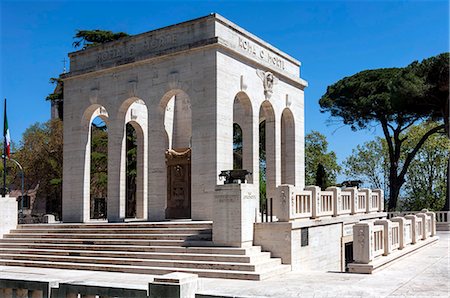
394, 187
447, 191
394, 191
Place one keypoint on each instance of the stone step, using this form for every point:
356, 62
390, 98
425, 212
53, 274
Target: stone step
126, 225
143, 255
115, 231
122, 242
152, 270
111, 236
157, 249
260, 266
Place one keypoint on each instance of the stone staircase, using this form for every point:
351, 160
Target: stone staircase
144, 247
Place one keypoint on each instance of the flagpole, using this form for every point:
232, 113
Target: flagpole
4, 151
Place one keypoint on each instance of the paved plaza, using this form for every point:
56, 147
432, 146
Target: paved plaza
425, 273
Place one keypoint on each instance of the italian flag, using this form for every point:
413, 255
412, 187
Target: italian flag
6, 136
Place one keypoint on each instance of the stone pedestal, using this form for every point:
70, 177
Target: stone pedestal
236, 207
8, 214
387, 235
363, 242
174, 285
413, 219
401, 230
282, 207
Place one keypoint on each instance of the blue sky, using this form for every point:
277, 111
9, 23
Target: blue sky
332, 39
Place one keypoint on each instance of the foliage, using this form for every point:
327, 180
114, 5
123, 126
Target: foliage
40, 154
99, 161
90, 38
425, 179
392, 97
237, 146
425, 185
131, 164
321, 177
316, 152
262, 164
56, 97
369, 163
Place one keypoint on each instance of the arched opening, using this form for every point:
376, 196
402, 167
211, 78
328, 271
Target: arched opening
134, 160
287, 148
243, 134
267, 179
237, 146
98, 170
178, 128
131, 171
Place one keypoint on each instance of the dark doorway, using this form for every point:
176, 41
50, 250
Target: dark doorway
178, 163
348, 254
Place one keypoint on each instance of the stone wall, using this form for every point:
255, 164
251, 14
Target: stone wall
323, 251
8, 214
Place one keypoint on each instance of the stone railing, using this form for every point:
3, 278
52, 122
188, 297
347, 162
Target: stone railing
383, 236
302, 205
442, 218
312, 202
176, 284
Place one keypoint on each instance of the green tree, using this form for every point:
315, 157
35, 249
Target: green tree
40, 154
237, 147
388, 97
90, 38
99, 161
434, 72
316, 152
321, 177
369, 163
424, 185
131, 164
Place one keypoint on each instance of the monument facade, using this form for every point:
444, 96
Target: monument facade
182, 88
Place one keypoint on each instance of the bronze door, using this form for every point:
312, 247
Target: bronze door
178, 183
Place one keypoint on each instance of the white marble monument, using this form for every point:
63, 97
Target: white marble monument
182, 87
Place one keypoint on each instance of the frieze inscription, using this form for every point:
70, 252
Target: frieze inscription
260, 53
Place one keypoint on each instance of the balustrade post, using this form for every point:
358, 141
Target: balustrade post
380, 199
368, 193
387, 235
432, 215
424, 218
353, 199
337, 199
401, 230
284, 202
315, 200
413, 219
363, 242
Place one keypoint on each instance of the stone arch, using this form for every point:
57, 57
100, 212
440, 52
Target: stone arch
175, 108
243, 116
287, 147
134, 111
176, 119
88, 117
267, 118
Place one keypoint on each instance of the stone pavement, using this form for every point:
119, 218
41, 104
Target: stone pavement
425, 273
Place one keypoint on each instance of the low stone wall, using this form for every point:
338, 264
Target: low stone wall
176, 285
8, 214
379, 242
310, 244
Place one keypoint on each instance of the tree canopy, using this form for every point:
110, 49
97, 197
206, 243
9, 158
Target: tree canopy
425, 179
90, 38
319, 160
396, 99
